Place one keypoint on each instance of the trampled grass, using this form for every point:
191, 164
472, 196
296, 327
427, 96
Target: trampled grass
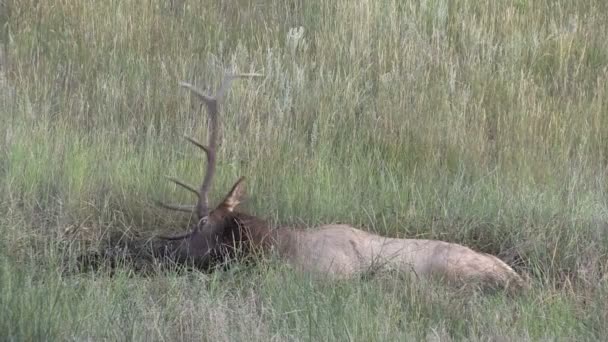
479, 123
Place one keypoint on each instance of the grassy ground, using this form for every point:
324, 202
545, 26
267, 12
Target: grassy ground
479, 123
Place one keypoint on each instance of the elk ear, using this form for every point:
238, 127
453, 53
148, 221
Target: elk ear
233, 199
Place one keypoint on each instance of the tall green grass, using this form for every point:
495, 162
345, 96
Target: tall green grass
479, 123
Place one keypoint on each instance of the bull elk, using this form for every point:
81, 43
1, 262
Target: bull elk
337, 250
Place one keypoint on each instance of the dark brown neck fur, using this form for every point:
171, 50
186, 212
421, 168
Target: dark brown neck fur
257, 234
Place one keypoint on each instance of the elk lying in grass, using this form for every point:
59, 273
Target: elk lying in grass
339, 251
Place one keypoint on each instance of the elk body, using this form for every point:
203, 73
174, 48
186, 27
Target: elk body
338, 251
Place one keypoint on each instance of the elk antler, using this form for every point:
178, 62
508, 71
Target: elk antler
212, 103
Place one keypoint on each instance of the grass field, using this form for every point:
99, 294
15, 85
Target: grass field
482, 123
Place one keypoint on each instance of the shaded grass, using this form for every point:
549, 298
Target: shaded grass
274, 302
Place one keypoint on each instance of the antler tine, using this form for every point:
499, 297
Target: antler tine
196, 143
212, 103
187, 208
183, 185
202, 206
177, 237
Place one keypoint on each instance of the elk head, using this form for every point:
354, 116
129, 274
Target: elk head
214, 231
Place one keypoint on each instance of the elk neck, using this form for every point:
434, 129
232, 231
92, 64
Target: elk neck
261, 236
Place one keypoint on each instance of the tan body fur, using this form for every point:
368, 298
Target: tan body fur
341, 251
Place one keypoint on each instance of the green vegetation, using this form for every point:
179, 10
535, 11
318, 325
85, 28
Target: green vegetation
483, 123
